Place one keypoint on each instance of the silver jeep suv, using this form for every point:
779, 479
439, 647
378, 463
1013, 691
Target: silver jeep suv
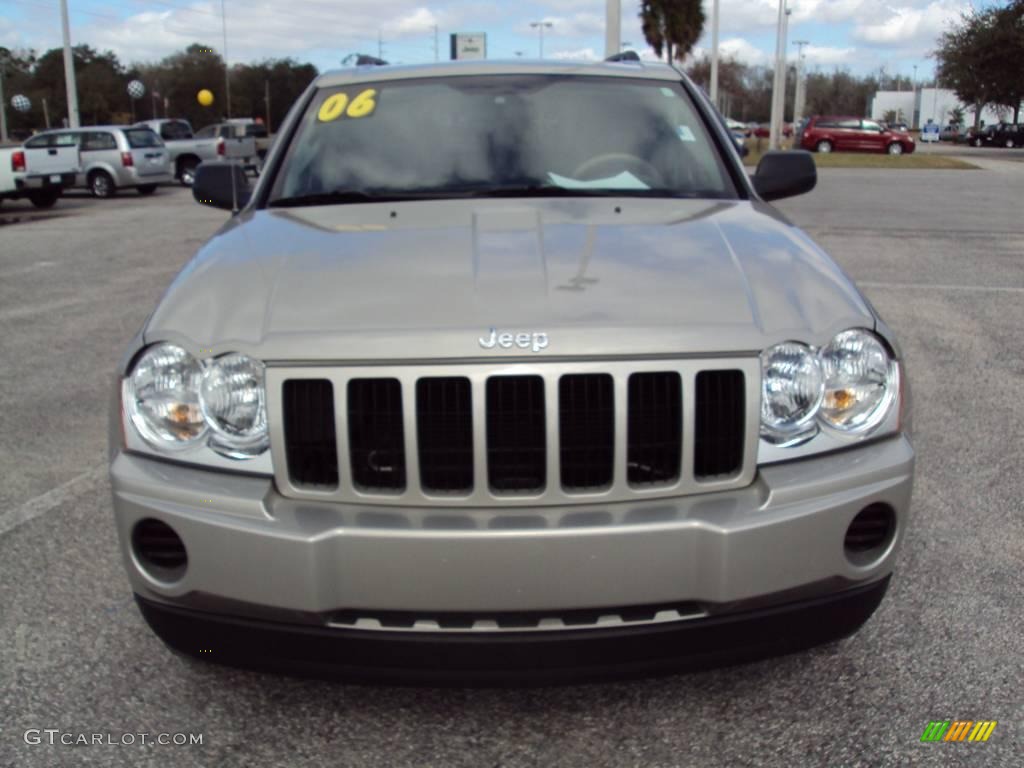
508, 371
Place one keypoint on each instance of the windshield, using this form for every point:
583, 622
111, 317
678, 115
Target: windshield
500, 135
142, 138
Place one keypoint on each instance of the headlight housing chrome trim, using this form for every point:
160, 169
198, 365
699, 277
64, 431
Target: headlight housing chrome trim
821, 434
240, 443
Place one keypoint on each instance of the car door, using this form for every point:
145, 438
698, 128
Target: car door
872, 137
99, 150
847, 134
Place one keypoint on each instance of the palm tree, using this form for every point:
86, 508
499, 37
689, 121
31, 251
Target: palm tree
672, 26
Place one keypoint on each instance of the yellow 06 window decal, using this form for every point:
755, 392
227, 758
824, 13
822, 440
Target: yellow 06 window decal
339, 104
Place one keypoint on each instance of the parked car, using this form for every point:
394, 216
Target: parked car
462, 390
853, 134
999, 135
185, 149
951, 132
234, 143
763, 131
114, 157
897, 126
40, 173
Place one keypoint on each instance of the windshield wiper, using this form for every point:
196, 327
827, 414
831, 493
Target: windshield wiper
338, 197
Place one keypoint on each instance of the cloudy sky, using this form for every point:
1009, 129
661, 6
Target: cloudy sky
861, 35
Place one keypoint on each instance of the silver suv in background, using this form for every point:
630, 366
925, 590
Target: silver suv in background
115, 157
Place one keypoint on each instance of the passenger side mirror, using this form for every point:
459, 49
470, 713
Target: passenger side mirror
221, 185
785, 174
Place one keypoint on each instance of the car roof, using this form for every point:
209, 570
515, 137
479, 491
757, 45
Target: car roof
652, 70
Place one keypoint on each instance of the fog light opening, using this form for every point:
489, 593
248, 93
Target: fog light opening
870, 533
159, 551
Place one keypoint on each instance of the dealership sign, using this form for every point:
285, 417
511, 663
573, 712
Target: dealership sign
469, 46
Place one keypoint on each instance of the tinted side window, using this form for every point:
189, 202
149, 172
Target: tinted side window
207, 133
868, 125
849, 124
98, 140
140, 138
38, 142
825, 124
174, 130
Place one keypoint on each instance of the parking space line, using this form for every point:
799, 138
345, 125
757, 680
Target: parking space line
938, 287
50, 500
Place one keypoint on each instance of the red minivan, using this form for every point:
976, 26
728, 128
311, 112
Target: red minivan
853, 134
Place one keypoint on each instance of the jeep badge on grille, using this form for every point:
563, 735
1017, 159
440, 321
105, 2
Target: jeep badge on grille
507, 340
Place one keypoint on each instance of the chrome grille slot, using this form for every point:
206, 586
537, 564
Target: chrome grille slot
655, 439
375, 434
516, 437
444, 419
586, 430
491, 434
718, 442
312, 448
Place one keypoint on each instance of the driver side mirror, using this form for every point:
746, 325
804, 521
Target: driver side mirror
785, 174
221, 185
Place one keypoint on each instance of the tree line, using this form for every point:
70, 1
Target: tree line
171, 87
981, 58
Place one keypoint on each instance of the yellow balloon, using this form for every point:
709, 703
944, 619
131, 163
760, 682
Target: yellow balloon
205, 97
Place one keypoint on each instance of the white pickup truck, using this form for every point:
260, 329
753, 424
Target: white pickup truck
222, 141
40, 174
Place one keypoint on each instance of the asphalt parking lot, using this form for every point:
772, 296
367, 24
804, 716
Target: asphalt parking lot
939, 253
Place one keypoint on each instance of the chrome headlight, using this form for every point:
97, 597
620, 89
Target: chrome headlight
792, 387
233, 401
206, 410
162, 398
861, 382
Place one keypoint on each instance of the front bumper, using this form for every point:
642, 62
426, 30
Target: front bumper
521, 658
254, 554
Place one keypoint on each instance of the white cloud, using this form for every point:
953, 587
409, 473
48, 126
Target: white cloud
909, 25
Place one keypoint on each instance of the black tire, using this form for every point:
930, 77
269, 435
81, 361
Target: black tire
824, 146
1010, 144
976, 142
101, 185
44, 198
146, 189
187, 171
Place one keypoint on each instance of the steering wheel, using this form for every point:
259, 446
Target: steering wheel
646, 172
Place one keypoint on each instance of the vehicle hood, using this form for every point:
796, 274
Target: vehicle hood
429, 279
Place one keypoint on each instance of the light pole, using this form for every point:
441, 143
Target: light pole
227, 67
779, 83
800, 96
714, 53
3, 103
69, 67
539, 26
612, 27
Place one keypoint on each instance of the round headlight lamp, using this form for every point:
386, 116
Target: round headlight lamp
232, 397
860, 382
162, 397
792, 387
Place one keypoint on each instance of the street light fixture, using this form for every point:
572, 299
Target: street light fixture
539, 26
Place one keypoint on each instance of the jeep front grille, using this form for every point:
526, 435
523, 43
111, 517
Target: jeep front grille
522, 434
